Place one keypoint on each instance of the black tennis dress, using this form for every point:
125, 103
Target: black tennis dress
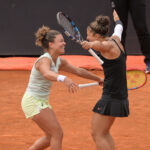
114, 100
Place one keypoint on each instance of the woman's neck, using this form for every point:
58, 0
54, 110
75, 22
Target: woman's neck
101, 39
53, 55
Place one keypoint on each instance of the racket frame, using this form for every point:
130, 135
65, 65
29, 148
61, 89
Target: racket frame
134, 69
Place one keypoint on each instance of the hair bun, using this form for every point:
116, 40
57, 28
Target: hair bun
41, 35
102, 20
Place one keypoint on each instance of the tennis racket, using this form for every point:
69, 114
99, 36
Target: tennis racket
88, 84
135, 79
72, 31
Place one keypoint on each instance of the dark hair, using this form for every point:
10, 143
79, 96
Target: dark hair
100, 25
44, 35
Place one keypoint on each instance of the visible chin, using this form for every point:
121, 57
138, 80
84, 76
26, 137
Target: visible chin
62, 52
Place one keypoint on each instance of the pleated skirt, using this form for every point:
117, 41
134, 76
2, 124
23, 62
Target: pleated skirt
112, 107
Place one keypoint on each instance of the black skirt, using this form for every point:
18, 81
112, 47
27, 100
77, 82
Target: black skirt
112, 107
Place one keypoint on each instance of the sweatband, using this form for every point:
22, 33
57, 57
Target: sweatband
118, 22
118, 29
61, 78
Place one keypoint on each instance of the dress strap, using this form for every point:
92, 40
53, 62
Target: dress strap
117, 45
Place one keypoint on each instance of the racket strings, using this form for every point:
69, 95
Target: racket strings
66, 24
69, 26
135, 79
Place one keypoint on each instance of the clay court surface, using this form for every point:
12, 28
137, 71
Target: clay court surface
73, 112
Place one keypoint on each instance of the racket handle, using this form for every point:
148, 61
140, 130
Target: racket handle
88, 84
95, 55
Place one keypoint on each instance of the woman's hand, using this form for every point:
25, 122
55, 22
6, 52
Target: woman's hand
86, 45
72, 87
101, 82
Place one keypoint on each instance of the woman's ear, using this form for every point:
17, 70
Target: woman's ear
50, 44
97, 36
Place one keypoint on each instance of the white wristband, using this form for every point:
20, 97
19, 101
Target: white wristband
61, 78
118, 31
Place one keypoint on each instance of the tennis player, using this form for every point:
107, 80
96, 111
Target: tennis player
35, 103
114, 99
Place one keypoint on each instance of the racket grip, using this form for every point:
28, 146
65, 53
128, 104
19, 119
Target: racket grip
95, 55
88, 84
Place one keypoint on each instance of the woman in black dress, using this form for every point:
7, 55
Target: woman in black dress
114, 100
